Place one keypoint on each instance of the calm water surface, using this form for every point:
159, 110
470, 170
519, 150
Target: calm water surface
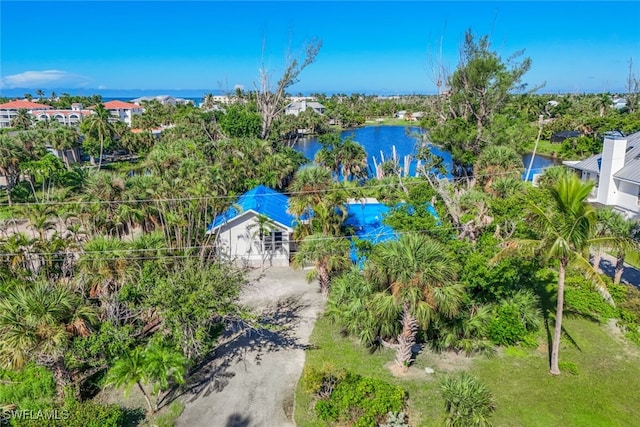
378, 141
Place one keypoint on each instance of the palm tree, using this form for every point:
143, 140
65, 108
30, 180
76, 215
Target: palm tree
37, 323
164, 365
418, 276
308, 188
328, 255
99, 124
497, 161
566, 234
130, 370
155, 364
11, 154
22, 120
612, 224
62, 139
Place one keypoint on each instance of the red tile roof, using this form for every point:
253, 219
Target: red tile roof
120, 105
18, 104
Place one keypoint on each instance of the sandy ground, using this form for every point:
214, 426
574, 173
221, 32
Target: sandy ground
252, 379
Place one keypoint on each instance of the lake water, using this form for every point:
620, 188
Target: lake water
378, 141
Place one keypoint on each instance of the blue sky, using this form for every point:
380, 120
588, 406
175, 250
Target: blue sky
374, 47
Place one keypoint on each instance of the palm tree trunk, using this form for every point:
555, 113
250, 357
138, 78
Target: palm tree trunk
62, 377
323, 280
146, 397
597, 257
555, 348
101, 149
406, 339
619, 267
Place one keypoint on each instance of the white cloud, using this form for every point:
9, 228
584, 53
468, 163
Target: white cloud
44, 80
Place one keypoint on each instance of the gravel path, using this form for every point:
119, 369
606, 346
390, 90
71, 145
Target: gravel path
252, 379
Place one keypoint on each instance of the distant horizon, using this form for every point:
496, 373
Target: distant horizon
200, 93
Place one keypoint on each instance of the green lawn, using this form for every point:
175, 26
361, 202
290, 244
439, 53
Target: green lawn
633, 259
605, 391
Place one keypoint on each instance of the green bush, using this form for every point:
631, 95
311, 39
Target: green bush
32, 387
468, 402
76, 414
581, 297
506, 328
361, 401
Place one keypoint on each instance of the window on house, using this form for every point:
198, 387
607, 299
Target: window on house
272, 240
638, 200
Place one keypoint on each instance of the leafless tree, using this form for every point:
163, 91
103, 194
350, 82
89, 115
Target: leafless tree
270, 102
633, 89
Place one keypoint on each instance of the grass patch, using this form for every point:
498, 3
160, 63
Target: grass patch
598, 385
602, 393
633, 259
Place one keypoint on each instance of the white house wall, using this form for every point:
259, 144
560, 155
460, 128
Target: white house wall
628, 196
239, 242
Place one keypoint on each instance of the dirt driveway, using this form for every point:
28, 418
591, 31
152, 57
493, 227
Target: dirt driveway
252, 379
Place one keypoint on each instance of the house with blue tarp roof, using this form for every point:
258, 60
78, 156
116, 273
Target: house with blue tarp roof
257, 229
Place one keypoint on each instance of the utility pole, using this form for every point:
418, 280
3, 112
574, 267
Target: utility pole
535, 147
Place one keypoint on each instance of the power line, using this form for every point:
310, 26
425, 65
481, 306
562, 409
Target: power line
412, 181
200, 247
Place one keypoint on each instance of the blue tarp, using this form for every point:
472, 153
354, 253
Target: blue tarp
262, 200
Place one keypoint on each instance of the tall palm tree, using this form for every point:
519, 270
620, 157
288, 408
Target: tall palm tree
11, 154
37, 323
328, 255
566, 233
99, 124
418, 276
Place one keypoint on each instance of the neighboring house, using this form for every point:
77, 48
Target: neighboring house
122, 111
9, 110
616, 172
400, 114
297, 107
565, 134
163, 99
71, 117
256, 230
619, 103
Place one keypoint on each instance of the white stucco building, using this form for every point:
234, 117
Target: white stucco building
616, 172
9, 110
123, 111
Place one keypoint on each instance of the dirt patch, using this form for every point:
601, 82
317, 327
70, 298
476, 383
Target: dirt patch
629, 349
413, 373
446, 361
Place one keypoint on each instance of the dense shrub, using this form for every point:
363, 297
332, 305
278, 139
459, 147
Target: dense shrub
580, 297
515, 319
76, 414
468, 402
506, 328
30, 388
360, 401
